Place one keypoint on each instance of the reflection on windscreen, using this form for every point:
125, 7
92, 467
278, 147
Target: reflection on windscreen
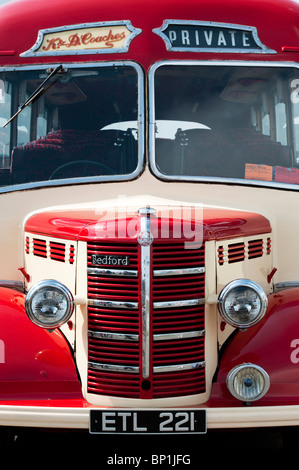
243, 122
59, 135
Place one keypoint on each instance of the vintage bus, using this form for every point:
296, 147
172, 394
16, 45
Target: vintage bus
149, 178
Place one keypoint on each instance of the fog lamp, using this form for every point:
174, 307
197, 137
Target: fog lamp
242, 303
49, 304
248, 382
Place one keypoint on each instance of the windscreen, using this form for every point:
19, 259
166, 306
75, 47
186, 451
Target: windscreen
62, 123
234, 122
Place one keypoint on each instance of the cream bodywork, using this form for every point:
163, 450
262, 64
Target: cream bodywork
278, 206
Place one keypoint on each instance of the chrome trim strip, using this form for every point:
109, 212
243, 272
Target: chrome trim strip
113, 304
17, 285
90, 179
206, 179
145, 240
113, 272
113, 367
285, 285
178, 272
180, 335
116, 336
179, 303
176, 367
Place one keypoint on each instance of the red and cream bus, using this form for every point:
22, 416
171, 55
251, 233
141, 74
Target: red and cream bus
149, 181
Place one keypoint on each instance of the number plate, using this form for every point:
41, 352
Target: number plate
126, 421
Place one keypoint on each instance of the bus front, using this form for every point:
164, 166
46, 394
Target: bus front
149, 171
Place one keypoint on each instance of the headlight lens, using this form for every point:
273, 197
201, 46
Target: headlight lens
242, 303
248, 382
49, 304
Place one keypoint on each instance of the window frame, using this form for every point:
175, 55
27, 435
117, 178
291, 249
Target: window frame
89, 179
206, 179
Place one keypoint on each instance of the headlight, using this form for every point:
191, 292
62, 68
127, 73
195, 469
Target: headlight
242, 303
248, 382
49, 304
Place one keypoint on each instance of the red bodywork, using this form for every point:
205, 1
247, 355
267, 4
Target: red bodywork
34, 363
276, 22
273, 345
87, 225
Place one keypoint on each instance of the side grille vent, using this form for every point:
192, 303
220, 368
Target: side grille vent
50, 249
255, 249
57, 251
237, 252
39, 248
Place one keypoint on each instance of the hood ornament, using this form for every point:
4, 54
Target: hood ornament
145, 237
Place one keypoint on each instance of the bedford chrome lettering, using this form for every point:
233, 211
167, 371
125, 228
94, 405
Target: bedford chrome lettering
109, 260
200, 36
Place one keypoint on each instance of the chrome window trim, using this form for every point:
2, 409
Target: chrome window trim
91, 179
151, 127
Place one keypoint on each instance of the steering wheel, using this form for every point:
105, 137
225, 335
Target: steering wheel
85, 164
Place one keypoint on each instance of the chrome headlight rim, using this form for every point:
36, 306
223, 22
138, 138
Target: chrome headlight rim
232, 375
50, 284
247, 284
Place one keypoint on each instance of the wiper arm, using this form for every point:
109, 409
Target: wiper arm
41, 89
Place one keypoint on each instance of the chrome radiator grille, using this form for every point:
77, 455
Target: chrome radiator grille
175, 362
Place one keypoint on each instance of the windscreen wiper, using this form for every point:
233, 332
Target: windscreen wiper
40, 90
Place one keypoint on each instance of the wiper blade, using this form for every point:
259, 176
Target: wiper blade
41, 89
